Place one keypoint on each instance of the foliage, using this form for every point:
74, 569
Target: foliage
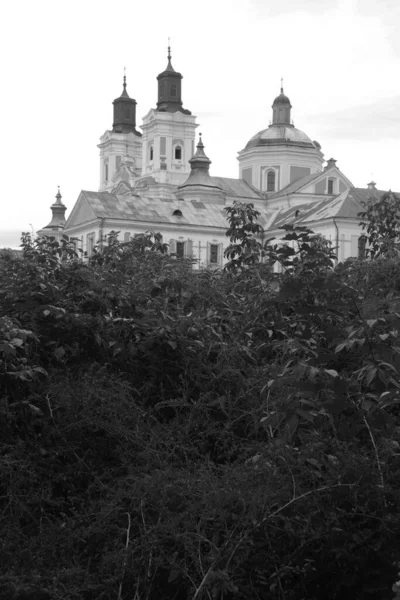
174, 433
381, 220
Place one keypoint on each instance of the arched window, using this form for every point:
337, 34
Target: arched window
178, 153
271, 181
151, 152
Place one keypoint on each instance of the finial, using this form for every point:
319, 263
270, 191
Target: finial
281, 85
169, 48
124, 78
58, 196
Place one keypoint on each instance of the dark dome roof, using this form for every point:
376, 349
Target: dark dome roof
276, 135
281, 99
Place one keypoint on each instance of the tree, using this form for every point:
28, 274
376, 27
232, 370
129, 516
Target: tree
381, 222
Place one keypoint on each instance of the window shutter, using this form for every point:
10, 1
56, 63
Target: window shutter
172, 246
189, 249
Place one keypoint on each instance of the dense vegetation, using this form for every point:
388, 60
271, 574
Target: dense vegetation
180, 434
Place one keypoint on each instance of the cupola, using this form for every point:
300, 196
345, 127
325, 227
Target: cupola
125, 113
170, 89
200, 166
57, 223
281, 109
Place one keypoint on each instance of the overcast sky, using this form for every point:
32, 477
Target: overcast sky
63, 61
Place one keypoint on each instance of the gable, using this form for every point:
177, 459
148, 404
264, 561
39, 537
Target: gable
320, 186
81, 213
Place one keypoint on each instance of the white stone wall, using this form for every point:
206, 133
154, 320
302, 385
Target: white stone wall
283, 157
114, 144
177, 129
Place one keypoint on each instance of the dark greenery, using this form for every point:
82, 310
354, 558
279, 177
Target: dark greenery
181, 434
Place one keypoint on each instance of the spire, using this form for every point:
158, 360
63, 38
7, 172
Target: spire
200, 160
281, 109
58, 197
170, 88
124, 92
125, 112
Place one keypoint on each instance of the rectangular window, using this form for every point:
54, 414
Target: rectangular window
180, 249
213, 254
106, 172
362, 243
330, 186
117, 162
90, 238
173, 90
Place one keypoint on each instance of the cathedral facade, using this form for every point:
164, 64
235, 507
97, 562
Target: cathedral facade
160, 180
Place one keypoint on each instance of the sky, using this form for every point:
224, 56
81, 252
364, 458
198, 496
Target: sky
63, 63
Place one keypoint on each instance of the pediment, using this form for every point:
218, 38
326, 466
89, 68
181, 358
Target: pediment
81, 213
319, 184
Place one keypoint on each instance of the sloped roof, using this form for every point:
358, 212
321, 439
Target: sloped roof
343, 206
296, 185
237, 187
365, 194
155, 210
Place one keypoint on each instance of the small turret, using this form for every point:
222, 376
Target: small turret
281, 109
199, 175
57, 223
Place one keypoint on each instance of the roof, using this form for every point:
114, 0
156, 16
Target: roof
153, 210
343, 206
365, 194
296, 185
280, 134
237, 187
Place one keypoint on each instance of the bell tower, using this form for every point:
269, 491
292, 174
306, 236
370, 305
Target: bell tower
121, 144
168, 131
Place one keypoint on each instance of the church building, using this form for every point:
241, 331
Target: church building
160, 180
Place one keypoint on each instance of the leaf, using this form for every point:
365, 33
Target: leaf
46, 312
305, 414
332, 372
174, 574
370, 375
340, 347
16, 342
59, 352
371, 322
314, 462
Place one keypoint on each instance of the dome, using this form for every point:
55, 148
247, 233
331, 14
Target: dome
281, 99
285, 135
